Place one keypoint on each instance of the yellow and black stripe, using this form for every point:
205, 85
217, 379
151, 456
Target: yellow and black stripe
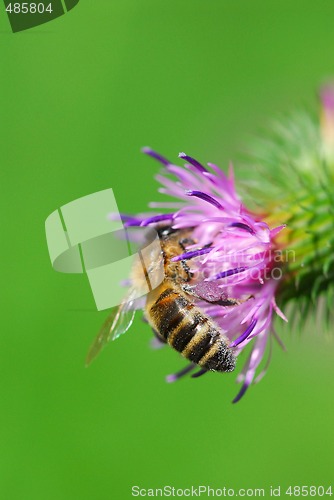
185, 328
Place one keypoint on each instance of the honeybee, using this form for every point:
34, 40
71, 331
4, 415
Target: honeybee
171, 311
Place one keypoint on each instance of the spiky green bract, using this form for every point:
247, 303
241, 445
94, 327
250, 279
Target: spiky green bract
295, 186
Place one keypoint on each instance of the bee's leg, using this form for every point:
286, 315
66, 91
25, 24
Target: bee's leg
212, 293
183, 242
199, 373
190, 290
186, 269
208, 291
181, 373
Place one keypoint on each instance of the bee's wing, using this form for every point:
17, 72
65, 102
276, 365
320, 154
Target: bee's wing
119, 321
124, 317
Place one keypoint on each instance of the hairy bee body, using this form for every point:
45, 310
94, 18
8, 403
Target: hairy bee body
175, 318
170, 307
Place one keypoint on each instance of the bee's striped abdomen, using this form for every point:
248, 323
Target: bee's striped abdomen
189, 331
168, 311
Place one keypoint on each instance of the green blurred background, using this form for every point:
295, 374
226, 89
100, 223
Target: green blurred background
78, 98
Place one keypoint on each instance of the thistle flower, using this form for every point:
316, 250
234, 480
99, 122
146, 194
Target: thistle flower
242, 252
234, 254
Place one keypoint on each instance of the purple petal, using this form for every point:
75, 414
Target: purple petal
157, 218
265, 369
128, 220
205, 197
126, 217
193, 162
276, 230
132, 221
191, 255
229, 272
148, 151
199, 373
176, 376
241, 392
246, 334
241, 225
185, 176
